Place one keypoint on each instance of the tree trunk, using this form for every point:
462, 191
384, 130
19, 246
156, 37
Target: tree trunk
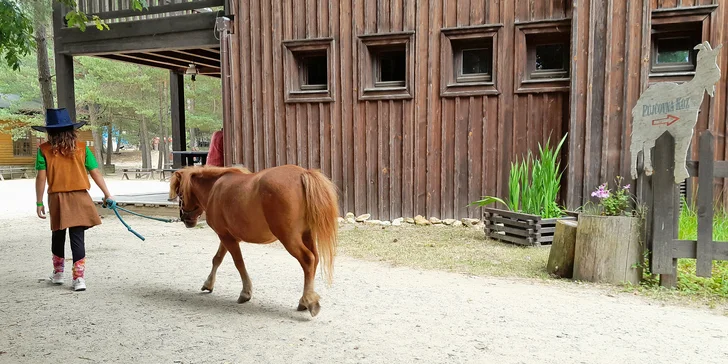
109, 143
144, 144
118, 142
163, 148
44, 69
193, 138
607, 249
98, 143
561, 255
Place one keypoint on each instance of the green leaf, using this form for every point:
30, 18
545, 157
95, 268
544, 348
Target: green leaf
487, 200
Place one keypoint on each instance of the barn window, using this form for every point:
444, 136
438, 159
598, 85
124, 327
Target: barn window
468, 60
672, 47
543, 54
386, 66
548, 56
308, 70
22, 147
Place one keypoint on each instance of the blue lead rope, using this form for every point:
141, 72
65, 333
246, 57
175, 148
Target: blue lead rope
111, 204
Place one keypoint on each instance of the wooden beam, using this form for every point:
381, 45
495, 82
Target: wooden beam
163, 42
136, 29
184, 59
199, 53
177, 94
125, 58
193, 5
149, 58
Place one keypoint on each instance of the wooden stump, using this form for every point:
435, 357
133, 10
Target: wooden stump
607, 248
561, 256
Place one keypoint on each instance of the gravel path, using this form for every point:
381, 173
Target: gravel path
144, 305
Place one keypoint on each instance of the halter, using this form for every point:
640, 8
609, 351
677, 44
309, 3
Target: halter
183, 214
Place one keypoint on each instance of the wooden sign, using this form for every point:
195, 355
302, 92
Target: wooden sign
672, 107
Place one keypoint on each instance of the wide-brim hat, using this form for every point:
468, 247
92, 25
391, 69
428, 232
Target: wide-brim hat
58, 119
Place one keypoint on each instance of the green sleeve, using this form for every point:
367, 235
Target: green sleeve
40, 162
90, 160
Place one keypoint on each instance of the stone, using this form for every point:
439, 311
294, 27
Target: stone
409, 220
385, 223
448, 221
350, 215
351, 220
362, 218
397, 222
457, 223
342, 220
373, 222
420, 220
435, 220
470, 221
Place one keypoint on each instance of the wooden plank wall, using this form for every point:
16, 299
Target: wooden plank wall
427, 155
610, 70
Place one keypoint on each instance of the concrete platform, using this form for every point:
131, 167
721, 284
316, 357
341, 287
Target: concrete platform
152, 204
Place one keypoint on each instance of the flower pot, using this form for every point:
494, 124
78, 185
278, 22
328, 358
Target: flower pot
608, 249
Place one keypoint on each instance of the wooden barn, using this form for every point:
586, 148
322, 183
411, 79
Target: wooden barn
419, 106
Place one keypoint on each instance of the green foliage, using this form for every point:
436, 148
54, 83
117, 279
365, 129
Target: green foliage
16, 31
16, 26
537, 195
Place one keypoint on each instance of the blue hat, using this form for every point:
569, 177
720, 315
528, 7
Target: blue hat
57, 119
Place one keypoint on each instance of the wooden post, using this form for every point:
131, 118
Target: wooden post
561, 256
224, 26
704, 264
664, 215
177, 94
65, 87
645, 198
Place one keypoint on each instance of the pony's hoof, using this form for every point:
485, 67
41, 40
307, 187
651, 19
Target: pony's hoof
244, 297
204, 288
301, 307
314, 309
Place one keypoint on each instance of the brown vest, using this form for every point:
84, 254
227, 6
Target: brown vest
64, 173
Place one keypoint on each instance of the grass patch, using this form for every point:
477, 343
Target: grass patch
714, 290
460, 250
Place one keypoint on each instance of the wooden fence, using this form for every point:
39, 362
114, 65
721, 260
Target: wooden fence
661, 196
119, 11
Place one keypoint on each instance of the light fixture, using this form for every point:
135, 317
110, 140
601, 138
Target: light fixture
192, 70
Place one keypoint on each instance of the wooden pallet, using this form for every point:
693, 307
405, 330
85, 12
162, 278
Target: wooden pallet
519, 228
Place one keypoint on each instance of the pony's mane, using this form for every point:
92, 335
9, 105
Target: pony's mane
181, 179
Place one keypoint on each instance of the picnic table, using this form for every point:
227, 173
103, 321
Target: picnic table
188, 157
11, 171
138, 173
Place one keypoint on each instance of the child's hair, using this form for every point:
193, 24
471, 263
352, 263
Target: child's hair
63, 142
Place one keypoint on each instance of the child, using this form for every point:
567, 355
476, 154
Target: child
63, 161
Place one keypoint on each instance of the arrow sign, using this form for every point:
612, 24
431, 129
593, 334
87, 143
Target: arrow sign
669, 120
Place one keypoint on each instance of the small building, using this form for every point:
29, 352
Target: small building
21, 152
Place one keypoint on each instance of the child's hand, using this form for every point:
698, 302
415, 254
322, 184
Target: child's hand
108, 200
41, 212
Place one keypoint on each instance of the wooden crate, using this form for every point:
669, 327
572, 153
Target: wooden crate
519, 228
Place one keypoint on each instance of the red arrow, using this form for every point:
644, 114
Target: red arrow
669, 120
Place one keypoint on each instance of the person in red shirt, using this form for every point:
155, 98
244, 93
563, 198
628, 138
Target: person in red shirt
215, 154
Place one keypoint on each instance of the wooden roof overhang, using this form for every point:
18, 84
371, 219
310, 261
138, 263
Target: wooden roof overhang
156, 40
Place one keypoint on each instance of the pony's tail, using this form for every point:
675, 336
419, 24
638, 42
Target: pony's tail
322, 212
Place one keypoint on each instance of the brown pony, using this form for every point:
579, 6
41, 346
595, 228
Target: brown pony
295, 206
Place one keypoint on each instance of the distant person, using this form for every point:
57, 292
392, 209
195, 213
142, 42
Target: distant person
62, 162
215, 155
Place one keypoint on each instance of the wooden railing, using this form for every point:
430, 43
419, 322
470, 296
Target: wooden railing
118, 11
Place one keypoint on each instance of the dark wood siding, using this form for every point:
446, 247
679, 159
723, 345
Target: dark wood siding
433, 155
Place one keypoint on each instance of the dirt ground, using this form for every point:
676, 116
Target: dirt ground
144, 305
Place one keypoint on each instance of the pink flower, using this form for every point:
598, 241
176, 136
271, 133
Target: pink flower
601, 192
627, 186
